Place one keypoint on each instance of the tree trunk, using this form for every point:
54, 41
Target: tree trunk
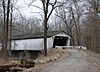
3, 43
45, 6
45, 35
10, 32
7, 28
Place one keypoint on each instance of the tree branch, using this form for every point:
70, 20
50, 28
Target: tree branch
19, 12
43, 2
31, 3
37, 7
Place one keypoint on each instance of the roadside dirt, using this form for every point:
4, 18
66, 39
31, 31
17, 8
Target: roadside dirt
3, 61
54, 55
79, 61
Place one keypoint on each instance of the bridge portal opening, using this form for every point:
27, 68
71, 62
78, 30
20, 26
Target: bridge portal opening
60, 41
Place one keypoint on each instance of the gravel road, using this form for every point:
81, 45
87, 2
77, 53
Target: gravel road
79, 61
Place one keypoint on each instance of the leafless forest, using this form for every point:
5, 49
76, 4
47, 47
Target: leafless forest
79, 18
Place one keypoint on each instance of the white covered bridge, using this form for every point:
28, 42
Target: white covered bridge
35, 41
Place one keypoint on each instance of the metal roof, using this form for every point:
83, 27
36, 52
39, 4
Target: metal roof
36, 35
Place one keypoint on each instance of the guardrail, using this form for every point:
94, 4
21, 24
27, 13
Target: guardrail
71, 47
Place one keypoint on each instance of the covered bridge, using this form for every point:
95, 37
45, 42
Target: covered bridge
35, 42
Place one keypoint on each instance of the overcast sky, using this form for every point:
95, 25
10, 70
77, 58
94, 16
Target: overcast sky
28, 10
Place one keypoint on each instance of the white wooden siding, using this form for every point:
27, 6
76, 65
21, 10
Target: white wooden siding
31, 44
36, 44
28, 44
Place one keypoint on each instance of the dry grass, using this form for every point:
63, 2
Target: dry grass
3, 61
53, 55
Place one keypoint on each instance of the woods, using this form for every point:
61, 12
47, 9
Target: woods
80, 19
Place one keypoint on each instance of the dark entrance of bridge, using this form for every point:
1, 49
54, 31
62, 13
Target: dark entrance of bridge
60, 41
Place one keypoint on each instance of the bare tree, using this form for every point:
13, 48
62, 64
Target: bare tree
47, 14
71, 14
93, 25
67, 20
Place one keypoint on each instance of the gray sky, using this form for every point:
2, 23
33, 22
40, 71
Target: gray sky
28, 11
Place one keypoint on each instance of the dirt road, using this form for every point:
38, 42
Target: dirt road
79, 61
